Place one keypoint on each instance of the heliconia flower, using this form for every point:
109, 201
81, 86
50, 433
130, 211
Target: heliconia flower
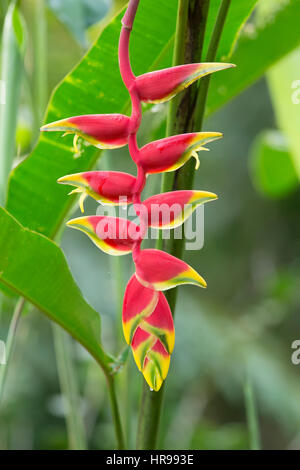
162, 271
107, 187
162, 85
170, 210
153, 342
171, 153
139, 302
105, 131
114, 236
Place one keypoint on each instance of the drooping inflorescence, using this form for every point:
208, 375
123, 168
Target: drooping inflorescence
147, 319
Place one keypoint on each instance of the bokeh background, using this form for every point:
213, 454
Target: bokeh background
241, 327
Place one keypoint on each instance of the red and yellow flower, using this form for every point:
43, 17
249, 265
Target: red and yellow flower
147, 319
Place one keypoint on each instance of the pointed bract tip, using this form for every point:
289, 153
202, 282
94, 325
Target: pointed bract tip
71, 179
200, 281
78, 222
62, 125
228, 65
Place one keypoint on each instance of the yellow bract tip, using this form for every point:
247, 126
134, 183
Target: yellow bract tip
81, 201
81, 223
73, 180
76, 190
194, 276
196, 156
75, 143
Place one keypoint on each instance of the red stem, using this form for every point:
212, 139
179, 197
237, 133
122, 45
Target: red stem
129, 16
129, 80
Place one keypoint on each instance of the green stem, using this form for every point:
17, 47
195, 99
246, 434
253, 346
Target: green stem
187, 117
10, 343
210, 57
68, 385
115, 412
252, 415
149, 418
190, 32
40, 60
11, 76
178, 59
188, 49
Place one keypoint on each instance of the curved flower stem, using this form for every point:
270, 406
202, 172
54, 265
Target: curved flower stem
129, 80
182, 119
10, 342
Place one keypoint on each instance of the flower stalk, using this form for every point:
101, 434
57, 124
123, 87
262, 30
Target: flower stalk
179, 120
10, 343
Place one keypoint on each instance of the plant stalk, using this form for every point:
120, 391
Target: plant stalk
252, 415
11, 77
187, 116
115, 412
10, 343
199, 110
69, 388
189, 39
40, 60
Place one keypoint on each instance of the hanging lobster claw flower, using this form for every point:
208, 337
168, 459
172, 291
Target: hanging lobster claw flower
114, 236
170, 210
107, 187
105, 131
139, 302
162, 85
161, 271
171, 153
153, 343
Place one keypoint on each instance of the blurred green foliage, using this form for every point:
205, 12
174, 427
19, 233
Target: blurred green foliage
247, 318
79, 15
272, 165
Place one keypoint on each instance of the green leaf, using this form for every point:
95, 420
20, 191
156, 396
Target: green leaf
94, 86
284, 84
271, 164
238, 14
35, 268
259, 47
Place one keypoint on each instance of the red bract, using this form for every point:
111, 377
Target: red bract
161, 271
147, 319
107, 187
105, 131
112, 235
152, 337
171, 153
169, 210
139, 302
162, 85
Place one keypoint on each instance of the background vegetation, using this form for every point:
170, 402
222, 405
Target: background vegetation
244, 324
